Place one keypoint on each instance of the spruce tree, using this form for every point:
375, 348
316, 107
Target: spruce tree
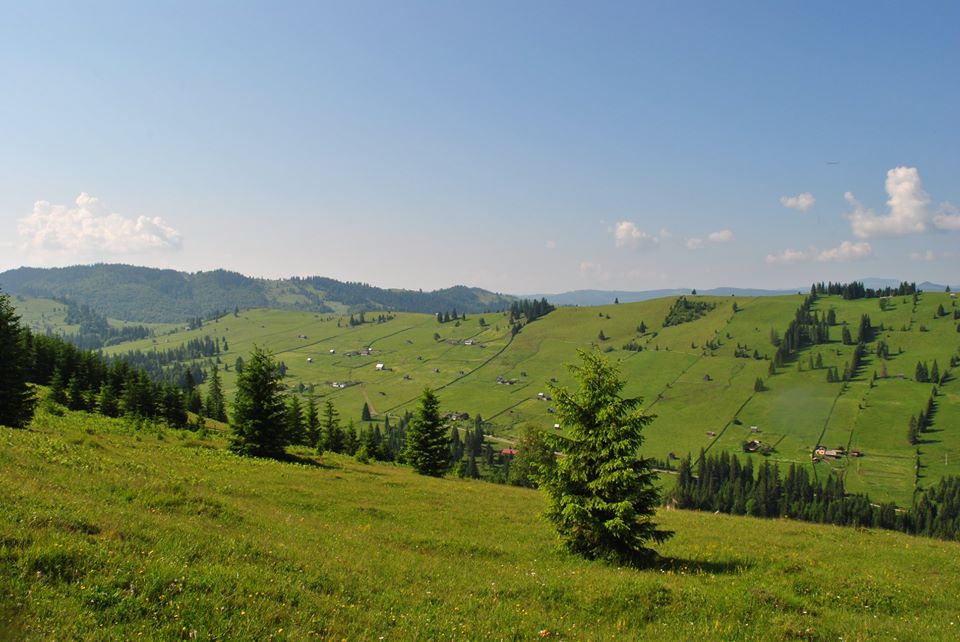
258, 420
312, 423
602, 493
215, 406
427, 446
16, 397
331, 435
295, 430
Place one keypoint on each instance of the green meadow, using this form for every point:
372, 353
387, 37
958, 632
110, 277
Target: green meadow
114, 531
689, 376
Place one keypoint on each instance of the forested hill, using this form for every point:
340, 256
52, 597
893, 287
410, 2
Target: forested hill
153, 295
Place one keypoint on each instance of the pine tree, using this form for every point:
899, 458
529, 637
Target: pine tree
331, 433
295, 430
215, 408
365, 413
602, 494
312, 423
427, 446
258, 420
107, 402
17, 400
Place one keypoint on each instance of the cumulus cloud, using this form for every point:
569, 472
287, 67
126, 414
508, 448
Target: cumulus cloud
947, 218
88, 228
801, 202
694, 244
790, 256
907, 205
587, 268
923, 256
551, 245
627, 234
721, 236
846, 251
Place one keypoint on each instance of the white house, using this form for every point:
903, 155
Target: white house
379, 366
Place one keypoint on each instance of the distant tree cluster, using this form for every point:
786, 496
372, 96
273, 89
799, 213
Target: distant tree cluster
926, 374
724, 484
684, 310
856, 290
95, 331
450, 315
530, 310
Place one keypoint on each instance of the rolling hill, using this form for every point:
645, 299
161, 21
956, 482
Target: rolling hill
151, 295
700, 378
110, 532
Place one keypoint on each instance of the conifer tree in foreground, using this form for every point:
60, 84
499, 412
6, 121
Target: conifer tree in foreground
16, 397
427, 447
602, 493
259, 409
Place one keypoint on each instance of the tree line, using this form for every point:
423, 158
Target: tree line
856, 290
722, 483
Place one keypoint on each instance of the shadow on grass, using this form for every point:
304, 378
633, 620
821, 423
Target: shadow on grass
289, 458
702, 567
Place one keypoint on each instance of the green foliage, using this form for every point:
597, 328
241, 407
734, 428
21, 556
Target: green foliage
427, 445
259, 409
602, 493
16, 397
534, 459
684, 311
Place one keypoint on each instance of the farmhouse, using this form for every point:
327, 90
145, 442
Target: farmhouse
834, 453
379, 366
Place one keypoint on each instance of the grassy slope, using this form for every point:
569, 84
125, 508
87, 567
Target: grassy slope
692, 391
110, 533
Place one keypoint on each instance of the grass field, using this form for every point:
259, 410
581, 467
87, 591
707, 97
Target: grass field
108, 531
703, 396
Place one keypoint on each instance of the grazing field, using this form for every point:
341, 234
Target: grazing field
698, 377
110, 531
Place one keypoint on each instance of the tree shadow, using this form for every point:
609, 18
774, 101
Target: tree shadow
289, 458
702, 567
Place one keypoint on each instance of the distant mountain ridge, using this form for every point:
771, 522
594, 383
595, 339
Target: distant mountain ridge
147, 295
605, 297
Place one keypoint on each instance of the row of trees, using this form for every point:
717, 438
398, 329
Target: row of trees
79, 379
856, 290
722, 483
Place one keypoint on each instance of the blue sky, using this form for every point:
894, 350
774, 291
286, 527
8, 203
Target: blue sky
521, 147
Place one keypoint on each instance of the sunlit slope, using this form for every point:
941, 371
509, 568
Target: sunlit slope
112, 533
689, 376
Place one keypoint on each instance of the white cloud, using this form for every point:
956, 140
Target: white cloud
908, 207
947, 218
665, 233
694, 244
551, 245
721, 237
88, 228
587, 268
801, 202
627, 234
846, 251
923, 256
790, 256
